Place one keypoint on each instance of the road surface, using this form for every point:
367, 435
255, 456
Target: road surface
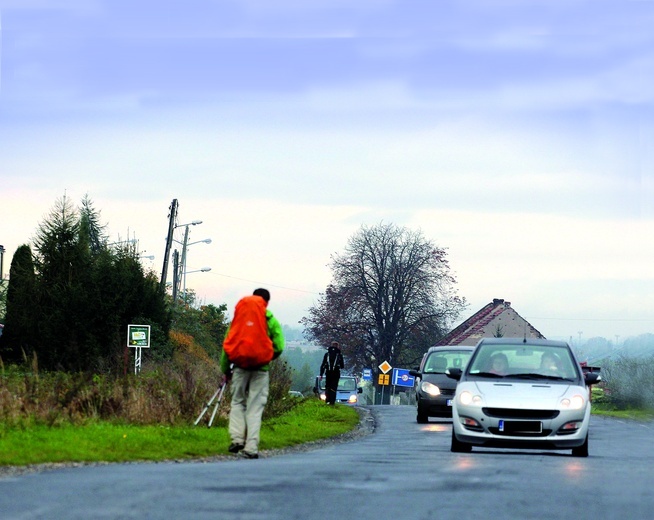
402, 470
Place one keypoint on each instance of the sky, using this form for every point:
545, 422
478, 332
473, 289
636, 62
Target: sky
515, 134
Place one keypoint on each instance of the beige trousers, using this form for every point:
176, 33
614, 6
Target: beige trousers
249, 397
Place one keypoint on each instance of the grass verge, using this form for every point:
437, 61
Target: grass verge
309, 421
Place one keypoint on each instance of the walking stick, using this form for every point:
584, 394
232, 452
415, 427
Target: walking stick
219, 394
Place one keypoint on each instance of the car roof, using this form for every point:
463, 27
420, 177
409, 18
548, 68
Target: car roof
523, 341
450, 347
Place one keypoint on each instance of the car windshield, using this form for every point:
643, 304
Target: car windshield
493, 360
439, 361
345, 384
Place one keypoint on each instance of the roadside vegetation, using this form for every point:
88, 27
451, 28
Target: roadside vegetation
627, 388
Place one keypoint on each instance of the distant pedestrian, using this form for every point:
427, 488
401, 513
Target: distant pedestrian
254, 338
332, 363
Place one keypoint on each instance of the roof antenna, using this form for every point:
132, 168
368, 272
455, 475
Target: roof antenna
524, 340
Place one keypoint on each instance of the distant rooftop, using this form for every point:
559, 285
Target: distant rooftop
497, 319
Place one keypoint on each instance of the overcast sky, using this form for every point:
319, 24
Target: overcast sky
516, 134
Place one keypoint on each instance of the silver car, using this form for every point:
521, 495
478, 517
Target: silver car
522, 393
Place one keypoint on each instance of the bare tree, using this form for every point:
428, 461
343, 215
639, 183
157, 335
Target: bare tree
392, 296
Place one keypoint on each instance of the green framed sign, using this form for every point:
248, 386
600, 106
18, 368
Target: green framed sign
138, 336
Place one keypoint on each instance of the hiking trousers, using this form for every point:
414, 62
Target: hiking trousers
249, 396
331, 385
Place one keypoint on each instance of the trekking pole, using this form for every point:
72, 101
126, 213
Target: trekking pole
206, 406
215, 408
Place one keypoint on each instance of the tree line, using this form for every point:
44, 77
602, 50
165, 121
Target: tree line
70, 297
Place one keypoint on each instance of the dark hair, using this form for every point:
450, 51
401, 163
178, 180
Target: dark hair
264, 293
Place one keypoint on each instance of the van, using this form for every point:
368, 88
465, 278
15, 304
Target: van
347, 392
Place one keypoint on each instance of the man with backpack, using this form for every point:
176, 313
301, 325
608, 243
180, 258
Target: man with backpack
253, 339
332, 362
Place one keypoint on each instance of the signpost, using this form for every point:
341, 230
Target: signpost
138, 337
384, 378
401, 377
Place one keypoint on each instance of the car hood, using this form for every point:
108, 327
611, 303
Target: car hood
511, 394
441, 380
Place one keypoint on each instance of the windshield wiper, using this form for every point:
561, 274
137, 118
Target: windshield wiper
534, 375
487, 374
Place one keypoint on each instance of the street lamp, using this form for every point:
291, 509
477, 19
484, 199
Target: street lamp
182, 264
203, 270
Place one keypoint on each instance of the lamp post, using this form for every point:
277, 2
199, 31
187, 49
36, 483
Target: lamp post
203, 270
2, 257
182, 264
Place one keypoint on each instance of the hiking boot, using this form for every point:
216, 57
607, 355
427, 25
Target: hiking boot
247, 455
235, 448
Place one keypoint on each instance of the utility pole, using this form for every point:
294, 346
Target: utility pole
169, 240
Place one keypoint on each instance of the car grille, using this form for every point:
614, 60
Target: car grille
544, 433
447, 391
512, 413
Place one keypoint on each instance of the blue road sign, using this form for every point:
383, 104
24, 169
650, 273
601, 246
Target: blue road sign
367, 374
401, 377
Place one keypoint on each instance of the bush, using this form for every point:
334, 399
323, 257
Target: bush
165, 392
629, 382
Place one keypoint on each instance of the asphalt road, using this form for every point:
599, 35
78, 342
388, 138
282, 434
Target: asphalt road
402, 470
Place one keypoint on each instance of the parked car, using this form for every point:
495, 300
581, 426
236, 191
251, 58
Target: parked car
347, 391
434, 389
541, 400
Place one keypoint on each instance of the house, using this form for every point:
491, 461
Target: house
497, 319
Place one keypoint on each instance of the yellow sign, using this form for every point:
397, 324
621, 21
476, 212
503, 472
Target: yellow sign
384, 379
385, 367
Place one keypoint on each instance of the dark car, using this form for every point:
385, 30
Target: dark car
434, 389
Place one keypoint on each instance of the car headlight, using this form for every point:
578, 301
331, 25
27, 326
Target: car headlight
352, 399
430, 388
575, 402
323, 397
466, 398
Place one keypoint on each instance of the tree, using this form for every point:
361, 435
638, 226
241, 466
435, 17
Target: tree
391, 297
83, 297
18, 339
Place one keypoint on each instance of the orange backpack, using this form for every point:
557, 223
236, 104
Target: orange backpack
247, 344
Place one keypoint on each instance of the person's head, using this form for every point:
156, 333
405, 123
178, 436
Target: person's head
549, 361
264, 293
335, 345
499, 363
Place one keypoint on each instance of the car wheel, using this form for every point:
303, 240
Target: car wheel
458, 446
422, 417
581, 451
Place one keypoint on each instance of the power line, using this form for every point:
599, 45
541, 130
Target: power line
590, 319
266, 284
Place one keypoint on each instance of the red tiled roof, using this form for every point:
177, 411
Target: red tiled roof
479, 325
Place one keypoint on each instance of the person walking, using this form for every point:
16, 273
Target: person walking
332, 363
253, 339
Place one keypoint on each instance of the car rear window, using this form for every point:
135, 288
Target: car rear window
439, 361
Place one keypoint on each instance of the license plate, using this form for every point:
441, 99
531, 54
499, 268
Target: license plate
449, 402
520, 426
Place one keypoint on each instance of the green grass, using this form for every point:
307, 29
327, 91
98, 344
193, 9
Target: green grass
634, 414
309, 421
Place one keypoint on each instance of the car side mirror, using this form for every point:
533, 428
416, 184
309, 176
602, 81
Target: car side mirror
454, 373
415, 373
359, 390
592, 378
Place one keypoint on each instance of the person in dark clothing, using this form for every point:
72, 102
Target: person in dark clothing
332, 363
